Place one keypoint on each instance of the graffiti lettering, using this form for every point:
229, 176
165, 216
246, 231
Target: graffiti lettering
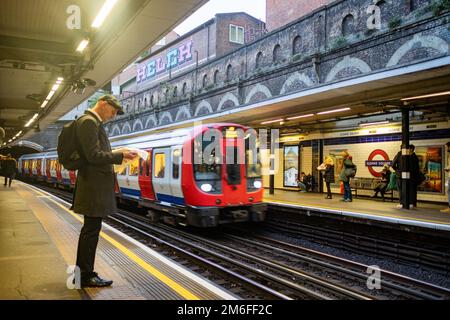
173, 58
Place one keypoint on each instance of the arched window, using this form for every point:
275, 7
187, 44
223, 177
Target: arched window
175, 91
152, 101
258, 61
145, 102
216, 77
205, 81
167, 95
277, 53
184, 88
348, 25
139, 105
296, 45
229, 72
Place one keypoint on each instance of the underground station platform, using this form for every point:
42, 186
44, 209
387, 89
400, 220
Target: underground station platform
38, 243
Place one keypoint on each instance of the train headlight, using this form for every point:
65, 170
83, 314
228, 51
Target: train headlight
257, 184
206, 187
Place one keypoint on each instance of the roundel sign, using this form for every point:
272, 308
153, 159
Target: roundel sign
377, 158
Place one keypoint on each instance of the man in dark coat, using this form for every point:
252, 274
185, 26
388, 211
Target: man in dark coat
9, 166
94, 191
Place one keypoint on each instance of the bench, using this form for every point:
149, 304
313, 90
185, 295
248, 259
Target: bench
367, 184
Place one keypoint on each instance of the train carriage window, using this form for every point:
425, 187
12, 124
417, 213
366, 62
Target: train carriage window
210, 167
176, 164
134, 166
160, 165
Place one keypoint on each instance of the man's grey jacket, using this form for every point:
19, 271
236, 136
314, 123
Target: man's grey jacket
94, 190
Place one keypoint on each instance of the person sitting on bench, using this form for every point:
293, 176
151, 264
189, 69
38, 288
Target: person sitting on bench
382, 185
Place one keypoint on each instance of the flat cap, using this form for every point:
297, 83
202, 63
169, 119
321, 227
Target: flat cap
113, 102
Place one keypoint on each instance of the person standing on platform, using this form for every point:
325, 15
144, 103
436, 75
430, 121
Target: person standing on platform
94, 190
9, 169
348, 171
447, 170
328, 175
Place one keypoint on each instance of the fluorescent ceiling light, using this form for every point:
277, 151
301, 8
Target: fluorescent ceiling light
55, 87
83, 44
333, 111
299, 117
50, 95
272, 121
60, 79
427, 96
368, 124
44, 104
104, 11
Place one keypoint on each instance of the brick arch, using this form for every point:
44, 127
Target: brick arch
228, 97
201, 106
419, 41
165, 116
115, 131
346, 63
126, 128
259, 88
183, 111
296, 77
151, 119
136, 124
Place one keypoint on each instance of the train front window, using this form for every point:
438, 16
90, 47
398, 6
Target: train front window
210, 167
233, 166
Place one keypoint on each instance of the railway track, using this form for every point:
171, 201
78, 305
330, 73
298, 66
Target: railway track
256, 267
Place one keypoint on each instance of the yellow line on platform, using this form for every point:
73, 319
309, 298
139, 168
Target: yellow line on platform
149, 268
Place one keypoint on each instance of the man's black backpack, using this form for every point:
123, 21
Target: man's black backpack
68, 154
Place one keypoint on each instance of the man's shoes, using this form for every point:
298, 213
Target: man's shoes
348, 200
446, 210
96, 281
399, 206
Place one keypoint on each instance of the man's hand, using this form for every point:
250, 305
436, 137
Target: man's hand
129, 155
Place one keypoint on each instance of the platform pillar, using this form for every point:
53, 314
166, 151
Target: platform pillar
405, 161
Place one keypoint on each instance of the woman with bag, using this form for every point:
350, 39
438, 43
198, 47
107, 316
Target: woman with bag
327, 169
348, 171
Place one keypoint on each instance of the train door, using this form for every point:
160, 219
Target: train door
132, 188
52, 170
234, 173
58, 172
39, 168
161, 177
34, 167
73, 178
48, 177
145, 177
175, 175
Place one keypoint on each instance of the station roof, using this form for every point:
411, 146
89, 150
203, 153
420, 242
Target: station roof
37, 47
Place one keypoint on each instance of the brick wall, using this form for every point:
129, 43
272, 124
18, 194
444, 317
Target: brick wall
281, 12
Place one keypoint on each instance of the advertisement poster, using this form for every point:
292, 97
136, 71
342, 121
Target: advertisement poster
430, 163
290, 166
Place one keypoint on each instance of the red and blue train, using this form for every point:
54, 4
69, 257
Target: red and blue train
184, 180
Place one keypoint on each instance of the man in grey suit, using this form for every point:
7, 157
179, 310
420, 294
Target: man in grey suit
94, 191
